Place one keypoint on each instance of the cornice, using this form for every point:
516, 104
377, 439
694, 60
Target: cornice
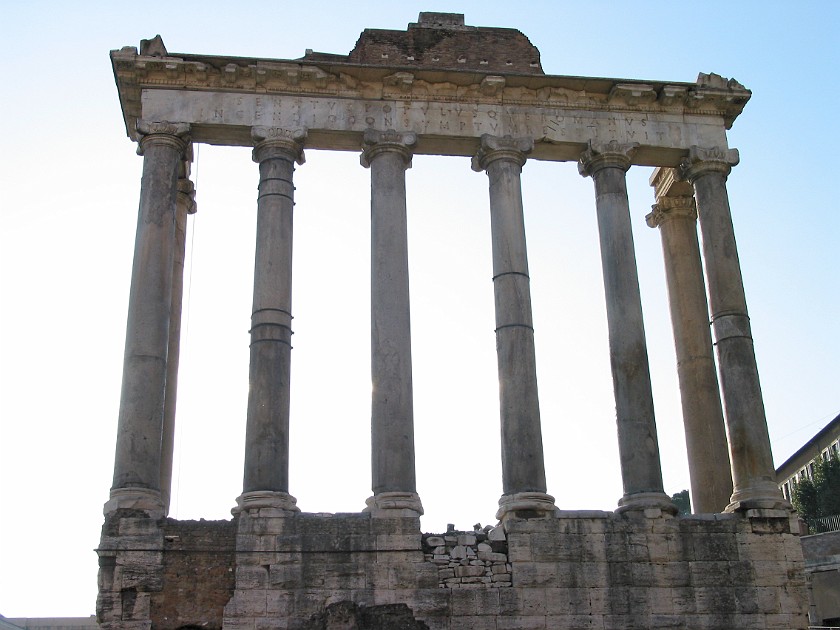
712, 95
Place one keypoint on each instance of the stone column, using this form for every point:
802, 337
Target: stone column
185, 205
638, 445
388, 154
266, 478
753, 473
523, 469
137, 460
705, 435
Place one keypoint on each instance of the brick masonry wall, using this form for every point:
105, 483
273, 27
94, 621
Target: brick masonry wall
581, 570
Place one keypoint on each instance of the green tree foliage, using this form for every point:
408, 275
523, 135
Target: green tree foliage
682, 501
820, 496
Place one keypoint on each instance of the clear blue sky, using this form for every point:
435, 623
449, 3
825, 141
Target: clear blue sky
69, 182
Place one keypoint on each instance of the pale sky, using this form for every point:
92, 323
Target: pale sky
69, 189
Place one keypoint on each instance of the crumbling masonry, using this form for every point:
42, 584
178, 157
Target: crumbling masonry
445, 88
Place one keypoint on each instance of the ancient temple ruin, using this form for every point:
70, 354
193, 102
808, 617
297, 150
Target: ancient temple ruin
445, 88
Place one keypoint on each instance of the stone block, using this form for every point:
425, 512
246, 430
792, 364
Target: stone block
576, 622
144, 528
467, 539
712, 599
474, 602
473, 622
344, 582
683, 598
708, 573
140, 558
284, 542
109, 606
458, 552
621, 573
250, 603
272, 623
127, 625
471, 580
673, 622
278, 603
469, 571
136, 606
139, 578
398, 542
672, 574
496, 534
248, 577
771, 573
660, 601
489, 556
395, 526
714, 547
520, 622
435, 541
519, 550
536, 574
286, 576
234, 623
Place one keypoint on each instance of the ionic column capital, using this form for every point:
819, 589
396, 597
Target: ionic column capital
376, 142
612, 154
176, 135
507, 148
701, 161
667, 208
186, 195
278, 142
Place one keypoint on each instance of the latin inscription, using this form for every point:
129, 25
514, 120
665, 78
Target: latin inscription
552, 125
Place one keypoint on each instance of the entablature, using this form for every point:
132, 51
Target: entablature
222, 97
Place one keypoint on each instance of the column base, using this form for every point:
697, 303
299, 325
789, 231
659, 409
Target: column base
526, 505
762, 495
266, 503
394, 504
143, 499
653, 504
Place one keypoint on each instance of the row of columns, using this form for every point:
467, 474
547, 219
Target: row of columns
144, 445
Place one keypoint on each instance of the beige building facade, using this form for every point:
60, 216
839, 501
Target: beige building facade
445, 88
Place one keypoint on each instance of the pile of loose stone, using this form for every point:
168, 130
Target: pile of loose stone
476, 559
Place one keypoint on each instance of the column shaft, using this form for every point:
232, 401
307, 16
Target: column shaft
388, 154
184, 206
637, 440
523, 466
137, 462
708, 457
753, 473
266, 477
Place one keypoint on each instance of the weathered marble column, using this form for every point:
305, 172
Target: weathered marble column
388, 154
266, 478
137, 460
638, 445
185, 205
523, 467
705, 435
753, 473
